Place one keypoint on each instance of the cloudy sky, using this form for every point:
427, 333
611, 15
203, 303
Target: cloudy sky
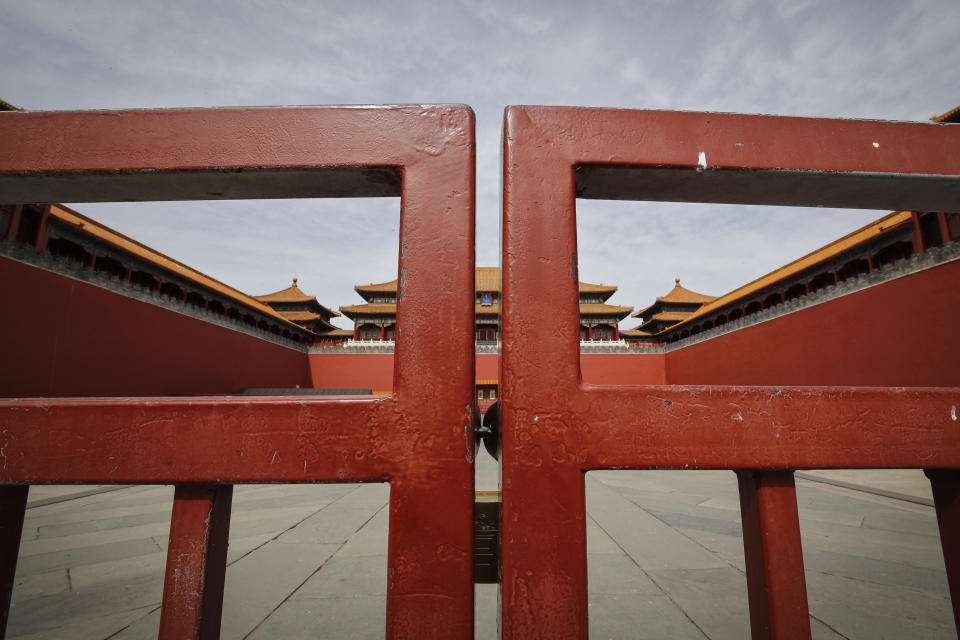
897, 60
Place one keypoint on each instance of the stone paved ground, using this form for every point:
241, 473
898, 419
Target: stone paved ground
664, 550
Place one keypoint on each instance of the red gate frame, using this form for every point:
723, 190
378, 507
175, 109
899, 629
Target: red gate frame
420, 439
555, 428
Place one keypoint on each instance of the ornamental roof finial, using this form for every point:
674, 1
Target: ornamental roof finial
295, 281
677, 280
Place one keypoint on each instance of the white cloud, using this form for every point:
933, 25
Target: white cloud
894, 60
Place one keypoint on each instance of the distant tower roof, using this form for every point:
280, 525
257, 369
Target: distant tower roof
6, 106
950, 116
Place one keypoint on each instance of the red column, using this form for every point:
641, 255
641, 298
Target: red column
356, 329
616, 332
40, 242
590, 332
871, 264
919, 245
381, 332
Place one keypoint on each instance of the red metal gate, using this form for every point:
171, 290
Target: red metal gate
555, 428
420, 439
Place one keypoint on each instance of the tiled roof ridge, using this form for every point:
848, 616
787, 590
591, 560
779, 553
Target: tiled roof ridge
848, 241
482, 278
137, 248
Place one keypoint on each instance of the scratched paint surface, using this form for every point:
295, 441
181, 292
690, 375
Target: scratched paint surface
555, 427
420, 439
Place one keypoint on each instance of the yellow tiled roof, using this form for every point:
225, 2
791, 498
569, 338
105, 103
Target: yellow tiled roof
292, 294
301, 316
678, 295
117, 239
337, 333
671, 316
373, 308
949, 116
586, 287
378, 288
637, 333
604, 309
872, 230
486, 279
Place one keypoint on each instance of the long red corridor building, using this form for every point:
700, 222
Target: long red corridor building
92, 312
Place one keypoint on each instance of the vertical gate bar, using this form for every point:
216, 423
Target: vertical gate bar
430, 559
196, 562
13, 506
945, 484
774, 557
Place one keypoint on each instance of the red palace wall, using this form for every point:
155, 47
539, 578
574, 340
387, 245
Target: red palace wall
372, 371
375, 370
623, 368
488, 366
899, 333
64, 337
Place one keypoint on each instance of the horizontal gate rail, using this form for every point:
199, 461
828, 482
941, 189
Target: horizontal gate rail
555, 428
420, 438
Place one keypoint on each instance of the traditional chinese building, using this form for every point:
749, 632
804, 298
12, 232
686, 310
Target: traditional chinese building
376, 319
296, 306
674, 307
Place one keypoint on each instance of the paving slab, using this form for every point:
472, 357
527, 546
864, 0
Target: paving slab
650, 542
714, 599
485, 612
858, 609
47, 614
615, 617
85, 555
905, 481
371, 539
347, 576
609, 574
348, 618
598, 542
117, 571
882, 572
35, 585
101, 627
